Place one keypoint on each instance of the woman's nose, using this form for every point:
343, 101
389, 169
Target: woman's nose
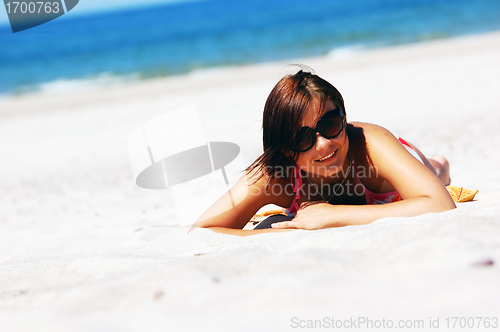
321, 142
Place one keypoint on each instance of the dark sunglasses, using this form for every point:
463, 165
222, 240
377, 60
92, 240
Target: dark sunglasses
329, 126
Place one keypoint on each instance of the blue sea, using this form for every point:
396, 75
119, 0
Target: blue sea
177, 38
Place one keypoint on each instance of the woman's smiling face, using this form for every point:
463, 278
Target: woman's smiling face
327, 157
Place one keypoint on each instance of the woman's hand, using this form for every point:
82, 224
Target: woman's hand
311, 215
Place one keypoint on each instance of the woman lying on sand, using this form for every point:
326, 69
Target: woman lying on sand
326, 171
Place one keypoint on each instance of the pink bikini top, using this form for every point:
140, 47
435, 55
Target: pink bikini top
371, 197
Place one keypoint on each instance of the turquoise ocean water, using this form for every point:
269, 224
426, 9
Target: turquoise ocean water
173, 39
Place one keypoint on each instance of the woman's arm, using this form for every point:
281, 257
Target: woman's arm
324, 215
245, 232
421, 190
233, 210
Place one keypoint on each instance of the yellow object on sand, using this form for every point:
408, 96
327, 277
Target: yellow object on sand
263, 215
461, 194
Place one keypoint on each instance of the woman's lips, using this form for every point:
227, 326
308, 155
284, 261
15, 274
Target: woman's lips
327, 157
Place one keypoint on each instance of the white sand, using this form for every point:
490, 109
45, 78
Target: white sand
83, 249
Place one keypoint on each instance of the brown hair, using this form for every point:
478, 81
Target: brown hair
283, 114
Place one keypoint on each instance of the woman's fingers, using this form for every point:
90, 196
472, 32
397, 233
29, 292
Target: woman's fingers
303, 205
284, 224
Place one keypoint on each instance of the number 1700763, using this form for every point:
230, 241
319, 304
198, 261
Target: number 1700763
32, 7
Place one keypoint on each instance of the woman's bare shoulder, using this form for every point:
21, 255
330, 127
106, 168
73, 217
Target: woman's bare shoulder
370, 128
369, 134
370, 142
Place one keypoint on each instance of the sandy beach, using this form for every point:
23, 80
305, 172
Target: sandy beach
82, 248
